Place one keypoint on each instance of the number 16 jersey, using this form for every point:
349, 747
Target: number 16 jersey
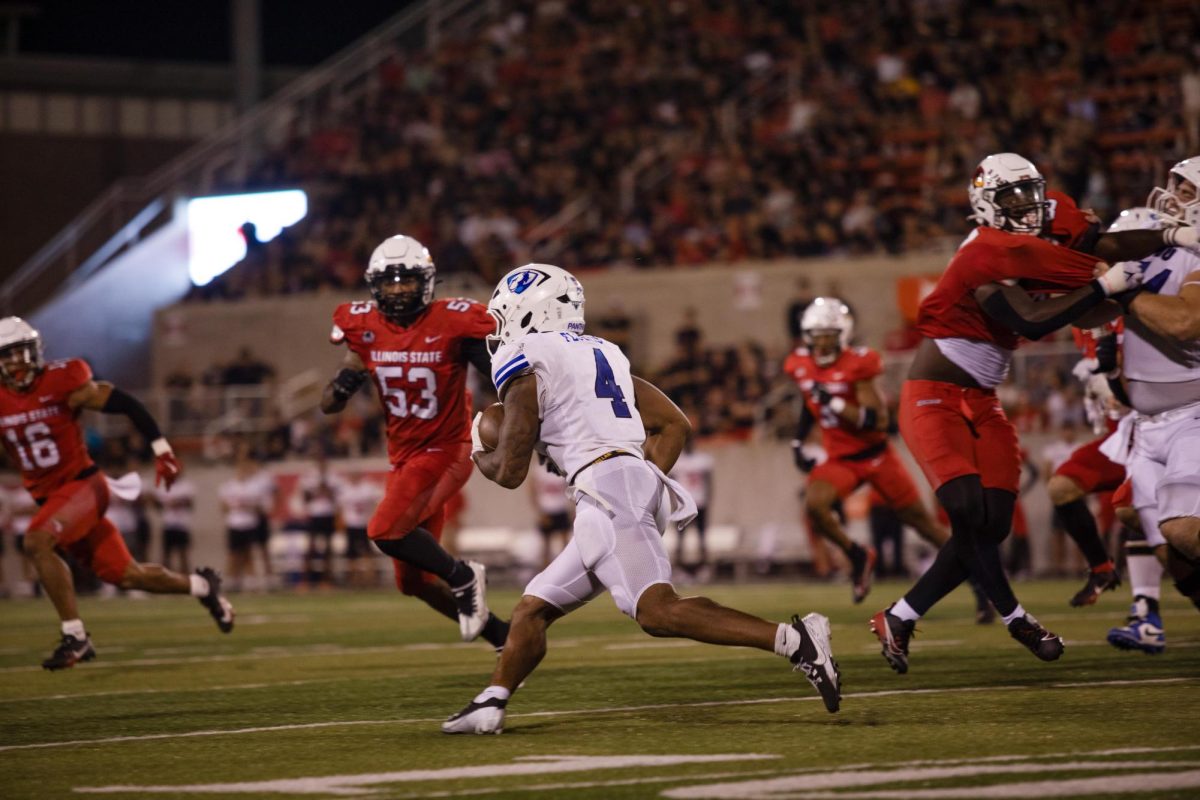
41, 432
585, 395
419, 370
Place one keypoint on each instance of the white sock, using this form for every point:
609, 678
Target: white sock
199, 585
1145, 576
74, 627
498, 692
904, 611
1019, 611
787, 640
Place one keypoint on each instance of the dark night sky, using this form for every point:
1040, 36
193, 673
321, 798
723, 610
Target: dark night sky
295, 32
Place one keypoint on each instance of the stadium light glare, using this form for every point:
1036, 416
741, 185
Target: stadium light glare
215, 240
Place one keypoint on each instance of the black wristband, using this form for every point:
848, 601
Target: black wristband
347, 382
868, 418
120, 402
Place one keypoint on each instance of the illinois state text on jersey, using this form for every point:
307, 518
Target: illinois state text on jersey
41, 432
840, 438
419, 370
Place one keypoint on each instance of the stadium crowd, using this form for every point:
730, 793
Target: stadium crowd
777, 130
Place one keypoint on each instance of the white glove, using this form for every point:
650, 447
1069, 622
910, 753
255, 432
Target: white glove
1122, 277
1084, 369
476, 442
1182, 236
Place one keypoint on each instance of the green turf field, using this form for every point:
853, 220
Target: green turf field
341, 695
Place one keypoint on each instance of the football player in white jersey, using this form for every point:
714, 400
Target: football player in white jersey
1161, 364
573, 398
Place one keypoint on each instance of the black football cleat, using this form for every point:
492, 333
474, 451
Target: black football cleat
220, 608
894, 634
1041, 642
1097, 583
70, 651
862, 570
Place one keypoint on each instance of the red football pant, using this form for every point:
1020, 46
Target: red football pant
74, 513
885, 473
954, 431
416, 494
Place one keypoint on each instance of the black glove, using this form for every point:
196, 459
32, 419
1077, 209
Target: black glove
1106, 354
821, 395
803, 462
347, 382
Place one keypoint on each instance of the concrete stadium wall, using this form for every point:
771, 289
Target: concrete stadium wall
736, 303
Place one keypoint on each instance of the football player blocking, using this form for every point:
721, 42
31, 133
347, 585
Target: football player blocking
416, 349
1159, 374
40, 404
949, 414
572, 398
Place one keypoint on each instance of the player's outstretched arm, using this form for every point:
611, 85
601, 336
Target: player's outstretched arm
667, 428
1132, 245
104, 397
349, 380
1174, 316
508, 464
1012, 307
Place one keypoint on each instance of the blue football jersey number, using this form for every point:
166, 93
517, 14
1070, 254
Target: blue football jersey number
607, 387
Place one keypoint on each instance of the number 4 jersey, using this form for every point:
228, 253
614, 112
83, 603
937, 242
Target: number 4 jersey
420, 370
41, 432
585, 395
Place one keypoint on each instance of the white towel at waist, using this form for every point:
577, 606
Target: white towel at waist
1119, 443
127, 487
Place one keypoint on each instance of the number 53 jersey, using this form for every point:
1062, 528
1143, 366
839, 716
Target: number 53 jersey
419, 370
41, 432
585, 395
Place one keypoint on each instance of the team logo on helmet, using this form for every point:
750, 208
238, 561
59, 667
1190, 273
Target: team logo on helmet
517, 284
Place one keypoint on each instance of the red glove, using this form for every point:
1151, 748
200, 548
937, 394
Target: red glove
166, 465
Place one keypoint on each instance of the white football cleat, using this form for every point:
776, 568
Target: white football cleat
484, 717
471, 599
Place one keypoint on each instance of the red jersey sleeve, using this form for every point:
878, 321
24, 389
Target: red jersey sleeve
1069, 226
473, 320
867, 364
1035, 262
68, 375
350, 323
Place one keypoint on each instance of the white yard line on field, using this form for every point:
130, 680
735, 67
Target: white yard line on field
571, 712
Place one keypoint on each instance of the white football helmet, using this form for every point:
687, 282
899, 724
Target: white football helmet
826, 315
21, 356
1008, 193
1180, 200
535, 298
1138, 218
395, 260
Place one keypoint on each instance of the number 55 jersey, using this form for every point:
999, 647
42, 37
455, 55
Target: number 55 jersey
585, 395
419, 370
41, 432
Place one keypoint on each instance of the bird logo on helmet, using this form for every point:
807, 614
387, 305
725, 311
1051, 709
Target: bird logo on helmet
535, 298
1008, 193
21, 357
1180, 199
827, 326
401, 276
